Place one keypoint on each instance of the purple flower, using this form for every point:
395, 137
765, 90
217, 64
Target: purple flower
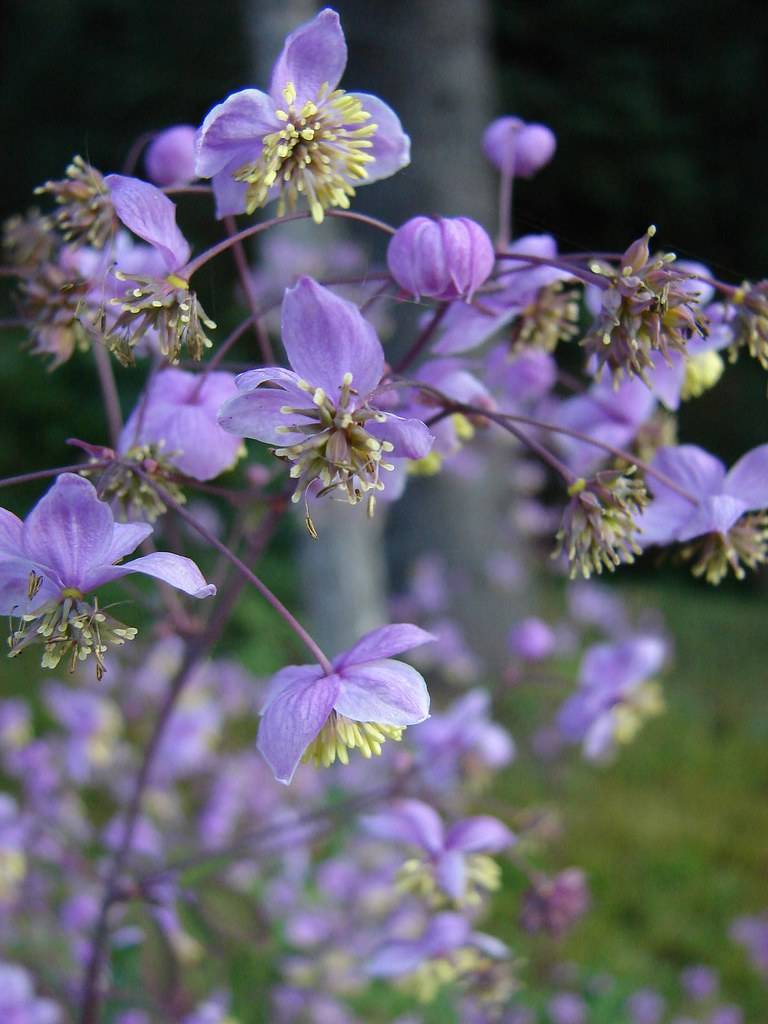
726, 1014
170, 157
322, 413
455, 865
716, 509
468, 326
517, 148
616, 694
18, 1002
521, 375
553, 905
163, 305
177, 417
368, 698
431, 960
531, 639
66, 548
462, 739
752, 934
607, 413
442, 258
646, 1007
305, 137
567, 1008
699, 982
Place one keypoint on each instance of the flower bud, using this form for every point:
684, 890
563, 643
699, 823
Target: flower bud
170, 158
444, 258
531, 639
517, 148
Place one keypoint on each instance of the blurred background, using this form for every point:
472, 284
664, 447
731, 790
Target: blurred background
659, 113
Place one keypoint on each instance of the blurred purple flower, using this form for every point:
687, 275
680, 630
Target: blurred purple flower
616, 694
517, 148
455, 864
531, 639
178, 416
646, 1006
170, 157
716, 509
699, 982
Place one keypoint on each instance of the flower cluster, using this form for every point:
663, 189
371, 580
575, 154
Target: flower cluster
166, 803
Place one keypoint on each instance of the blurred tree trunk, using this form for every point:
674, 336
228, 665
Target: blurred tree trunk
343, 573
433, 63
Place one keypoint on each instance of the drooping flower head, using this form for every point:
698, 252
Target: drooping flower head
446, 952
65, 549
85, 215
442, 258
647, 307
322, 414
599, 528
722, 520
454, 865
369, 697
617, 693
305, 138
164, 304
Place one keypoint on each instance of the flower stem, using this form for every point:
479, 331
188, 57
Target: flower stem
265, 225
196, 649
559, 264
246, 283
91, 995
423, 339
506, 182
252, 578
108, 392
43, 474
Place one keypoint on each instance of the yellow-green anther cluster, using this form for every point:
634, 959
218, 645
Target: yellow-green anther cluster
85, 214
165, 305
70, 628
339, 735
320, 146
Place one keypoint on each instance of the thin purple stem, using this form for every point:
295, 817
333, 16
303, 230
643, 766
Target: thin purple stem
252, 578
91, 995
423, 339
246, 283
138, 144
43, 474
506, 182
449, 406
196, 648
257, 229
559, 264
108, 392
188, 190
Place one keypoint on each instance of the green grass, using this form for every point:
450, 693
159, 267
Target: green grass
674, 833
